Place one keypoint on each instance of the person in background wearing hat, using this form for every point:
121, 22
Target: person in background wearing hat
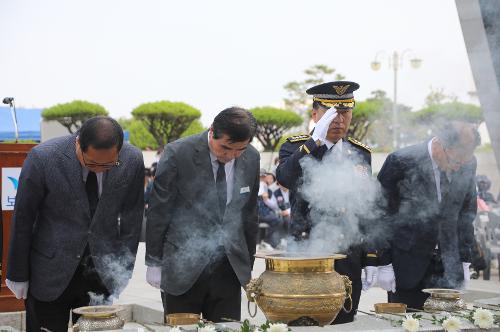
332, 109
483, 187
431, 205
268, 214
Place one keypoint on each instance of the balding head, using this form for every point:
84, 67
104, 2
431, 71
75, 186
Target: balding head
458, 140
100, 132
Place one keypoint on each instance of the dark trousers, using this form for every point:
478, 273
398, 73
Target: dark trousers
216, 294
347, 317
54, 315
434, 278
352, 269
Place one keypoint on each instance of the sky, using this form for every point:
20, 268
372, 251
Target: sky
216, 54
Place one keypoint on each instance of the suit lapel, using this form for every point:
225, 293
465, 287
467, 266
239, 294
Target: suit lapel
425, 164
74, 175
239, 177
201, 158
205, 174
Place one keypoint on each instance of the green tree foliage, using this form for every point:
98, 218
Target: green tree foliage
437, 96
454, 110
142, 138
363, 116
165, 120
72, 115
297, 99
379, 133
195, 127
272, 123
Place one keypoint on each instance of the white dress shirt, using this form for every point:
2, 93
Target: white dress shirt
437, 172
229, 169
337, 146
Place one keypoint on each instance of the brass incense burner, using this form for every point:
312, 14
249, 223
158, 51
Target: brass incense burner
443, 299
300, 290
98, 318
182, 319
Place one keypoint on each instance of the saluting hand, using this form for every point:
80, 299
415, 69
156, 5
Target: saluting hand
321, 128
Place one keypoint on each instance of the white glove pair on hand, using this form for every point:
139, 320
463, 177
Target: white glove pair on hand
153, 276
20, 289
386, 278
370, 278
321, 128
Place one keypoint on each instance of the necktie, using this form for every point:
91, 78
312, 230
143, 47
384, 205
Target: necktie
321, 151
220, 183
92, 192
444, 184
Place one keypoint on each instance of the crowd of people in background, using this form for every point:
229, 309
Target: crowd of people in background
274, 212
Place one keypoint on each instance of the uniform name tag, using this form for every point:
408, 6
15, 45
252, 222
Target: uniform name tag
244, 190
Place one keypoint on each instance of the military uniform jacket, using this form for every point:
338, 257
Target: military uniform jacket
289, 174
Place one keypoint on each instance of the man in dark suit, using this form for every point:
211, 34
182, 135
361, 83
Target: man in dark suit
332, 109
431, 204
202, 218
76, 222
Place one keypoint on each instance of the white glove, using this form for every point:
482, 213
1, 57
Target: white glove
370, 277
153, 276
20, 289
321, 128
386, 278
466, 274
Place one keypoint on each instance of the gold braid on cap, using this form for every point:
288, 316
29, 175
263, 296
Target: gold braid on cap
321, 100
336, 102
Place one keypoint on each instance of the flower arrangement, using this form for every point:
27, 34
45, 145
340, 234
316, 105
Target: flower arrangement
452, 324
483, 318
245, 326
411, 323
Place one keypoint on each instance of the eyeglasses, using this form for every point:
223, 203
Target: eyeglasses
104, 166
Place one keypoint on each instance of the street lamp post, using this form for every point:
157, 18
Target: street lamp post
395, 62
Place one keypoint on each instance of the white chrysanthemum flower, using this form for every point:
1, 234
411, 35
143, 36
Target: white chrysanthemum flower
206, 328
452, 324
410, 324
483, 318
278, 327
175, 329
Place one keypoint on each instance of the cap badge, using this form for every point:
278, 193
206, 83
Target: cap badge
341, 89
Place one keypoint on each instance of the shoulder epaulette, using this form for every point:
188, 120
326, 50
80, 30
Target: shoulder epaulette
358, 143
298, 138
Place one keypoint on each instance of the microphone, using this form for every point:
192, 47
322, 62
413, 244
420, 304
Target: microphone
8, 100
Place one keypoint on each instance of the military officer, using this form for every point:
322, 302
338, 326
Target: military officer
332, 108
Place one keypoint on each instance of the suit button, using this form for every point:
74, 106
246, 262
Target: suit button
78, 256
89, 232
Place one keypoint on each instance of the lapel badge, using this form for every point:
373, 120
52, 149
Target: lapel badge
244, 190
361, 169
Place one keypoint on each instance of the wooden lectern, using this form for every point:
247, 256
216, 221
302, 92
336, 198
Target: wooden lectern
11, 156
